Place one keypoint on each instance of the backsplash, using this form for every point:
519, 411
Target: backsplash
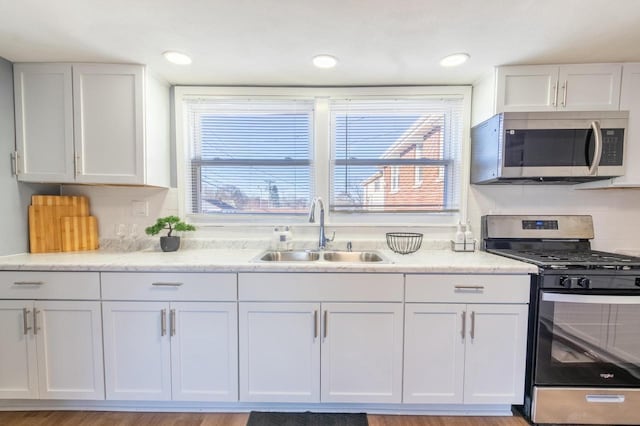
615, 213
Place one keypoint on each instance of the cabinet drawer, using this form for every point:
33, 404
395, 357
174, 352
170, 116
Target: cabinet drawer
49, 285
468, 288
168, 286
321, 287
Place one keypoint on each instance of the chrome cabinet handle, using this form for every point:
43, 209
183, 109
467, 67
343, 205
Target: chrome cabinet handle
163, 322
555, 94
14, 163
564, 94
76, 166
472, 333
597, 153
25, 320
173, 322
469, 287
315, 324
28, 283
464, 324
160, 284
325, 325
35, 321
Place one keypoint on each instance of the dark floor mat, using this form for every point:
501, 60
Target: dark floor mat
259, 418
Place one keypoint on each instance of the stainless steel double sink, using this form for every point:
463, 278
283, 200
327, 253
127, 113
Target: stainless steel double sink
329, 256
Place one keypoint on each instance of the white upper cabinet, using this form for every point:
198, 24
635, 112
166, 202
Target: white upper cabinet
44, 122
580, 87
629, 101
91, 123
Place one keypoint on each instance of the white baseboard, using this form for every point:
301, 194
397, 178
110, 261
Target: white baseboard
177, 406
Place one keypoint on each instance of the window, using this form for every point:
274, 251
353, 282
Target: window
249, 156
259, 154
414, 144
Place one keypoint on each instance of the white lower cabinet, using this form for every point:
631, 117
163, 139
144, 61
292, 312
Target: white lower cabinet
160, 351
471, 353
53, 350
170, 350
50, 349
323, 351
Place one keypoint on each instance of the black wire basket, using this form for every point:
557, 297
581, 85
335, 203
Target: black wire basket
404, 242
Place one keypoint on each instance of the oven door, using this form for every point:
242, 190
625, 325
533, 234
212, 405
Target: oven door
588, 339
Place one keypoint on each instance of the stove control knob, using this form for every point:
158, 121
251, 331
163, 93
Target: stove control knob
564, 281
584, 282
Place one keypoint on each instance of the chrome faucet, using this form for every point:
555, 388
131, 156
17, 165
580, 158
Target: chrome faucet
322, 239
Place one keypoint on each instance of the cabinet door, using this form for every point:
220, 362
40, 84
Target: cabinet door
589, 87
630, 101
108, 123
69, 339
137, 350
44, 122
279, 352
18, 367
527, 88
495, 354
362, 352
204, 351
434, 353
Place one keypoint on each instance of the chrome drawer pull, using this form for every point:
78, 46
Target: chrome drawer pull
167, 284
25, 320
473, 325
469, 287
28, 283
617, 399
35, 321
315, 324
325, 325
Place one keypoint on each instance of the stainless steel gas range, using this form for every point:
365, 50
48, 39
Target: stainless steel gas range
583, 355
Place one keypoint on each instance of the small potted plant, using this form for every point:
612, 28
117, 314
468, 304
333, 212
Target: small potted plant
172, 223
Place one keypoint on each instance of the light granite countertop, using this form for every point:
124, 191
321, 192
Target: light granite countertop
244, 260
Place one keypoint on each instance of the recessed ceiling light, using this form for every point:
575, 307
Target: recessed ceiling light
324, 61
177, 58
454, 60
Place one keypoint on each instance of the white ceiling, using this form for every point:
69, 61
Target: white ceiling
271, 42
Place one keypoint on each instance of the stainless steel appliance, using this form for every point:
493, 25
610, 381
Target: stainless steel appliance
549, 147
583, 355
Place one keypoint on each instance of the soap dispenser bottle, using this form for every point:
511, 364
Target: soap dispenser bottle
469, 243
458, 242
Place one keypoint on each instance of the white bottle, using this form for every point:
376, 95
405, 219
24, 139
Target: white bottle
459, 238
469, 244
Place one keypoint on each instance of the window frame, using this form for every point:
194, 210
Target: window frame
322, 151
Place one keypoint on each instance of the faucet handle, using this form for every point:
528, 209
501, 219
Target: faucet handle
333, 237
349, 246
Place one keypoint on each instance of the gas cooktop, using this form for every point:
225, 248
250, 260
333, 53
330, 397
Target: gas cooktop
589, 259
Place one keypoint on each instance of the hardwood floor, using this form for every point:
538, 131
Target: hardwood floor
93, 418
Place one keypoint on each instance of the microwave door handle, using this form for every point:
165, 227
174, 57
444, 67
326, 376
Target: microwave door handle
597, 154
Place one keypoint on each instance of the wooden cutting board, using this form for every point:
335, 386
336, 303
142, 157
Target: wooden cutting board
79, 204
78, 233
44, 227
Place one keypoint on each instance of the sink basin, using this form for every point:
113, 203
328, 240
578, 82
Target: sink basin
290, 256
352, 256
313, 256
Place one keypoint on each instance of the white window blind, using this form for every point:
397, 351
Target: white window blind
396, 155
249, 156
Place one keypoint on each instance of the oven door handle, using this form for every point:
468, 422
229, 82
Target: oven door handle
588, 298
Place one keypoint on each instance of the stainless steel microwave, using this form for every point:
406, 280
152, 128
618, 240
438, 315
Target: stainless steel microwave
549, 147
